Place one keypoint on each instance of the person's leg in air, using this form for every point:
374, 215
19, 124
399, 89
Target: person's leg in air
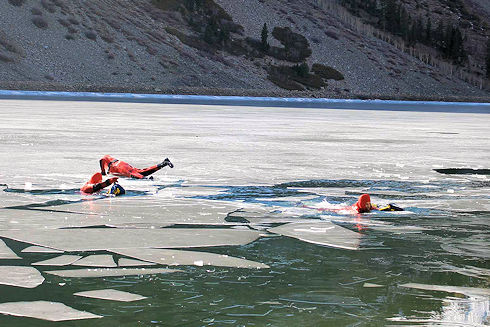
150, 170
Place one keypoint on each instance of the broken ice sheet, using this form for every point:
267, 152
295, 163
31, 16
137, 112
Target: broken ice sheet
258, 214
111, 294
113, 212
178, 257
40, 249
322, 233
469, 291
110, 272
152, 211
98, 260
94, 239
52, 311
27, 277
6, 252
125, 262
62, 260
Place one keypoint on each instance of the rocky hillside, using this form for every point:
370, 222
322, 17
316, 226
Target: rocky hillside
306, 48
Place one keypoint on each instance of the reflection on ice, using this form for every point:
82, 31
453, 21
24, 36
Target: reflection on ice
469, 291
473, 310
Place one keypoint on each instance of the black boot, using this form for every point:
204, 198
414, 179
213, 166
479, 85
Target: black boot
164, 163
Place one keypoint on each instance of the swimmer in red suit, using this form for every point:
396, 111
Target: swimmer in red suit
362, 205
117, 167
96, 184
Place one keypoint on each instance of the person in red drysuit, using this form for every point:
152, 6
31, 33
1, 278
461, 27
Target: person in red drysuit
121, 168
96, 184
364, 204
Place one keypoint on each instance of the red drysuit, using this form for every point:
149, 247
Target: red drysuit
364, 204
121, 168
96, 184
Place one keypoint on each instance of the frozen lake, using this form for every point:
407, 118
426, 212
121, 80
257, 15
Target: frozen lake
232, 236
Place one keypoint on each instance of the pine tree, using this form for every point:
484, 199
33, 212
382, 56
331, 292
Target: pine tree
428, 31
419, 30
488, 59
264, 36
404, 24
457, 51
439, 35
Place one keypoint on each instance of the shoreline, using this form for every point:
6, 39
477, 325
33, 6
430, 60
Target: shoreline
54, 87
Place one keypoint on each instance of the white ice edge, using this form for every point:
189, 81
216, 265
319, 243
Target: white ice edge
243, 100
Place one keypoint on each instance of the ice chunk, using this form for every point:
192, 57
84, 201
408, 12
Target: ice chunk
125, 262
52, 311
178, 257
111, 294
322, 233
62, 260
93, 239
110, 272
99, 260
40, 249
6, 252
470, 291
27, 277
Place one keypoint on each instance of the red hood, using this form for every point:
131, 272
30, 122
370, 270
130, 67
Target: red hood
96, 178
362, 202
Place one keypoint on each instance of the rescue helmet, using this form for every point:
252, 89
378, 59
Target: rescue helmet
116, 190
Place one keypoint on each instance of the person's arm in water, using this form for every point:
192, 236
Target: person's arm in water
90, 188
99, 186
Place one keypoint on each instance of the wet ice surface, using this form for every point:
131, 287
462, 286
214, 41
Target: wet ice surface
251, 184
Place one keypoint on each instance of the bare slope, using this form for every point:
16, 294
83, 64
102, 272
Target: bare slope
126, 45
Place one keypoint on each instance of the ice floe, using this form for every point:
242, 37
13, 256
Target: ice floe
97, 260
111, 294
93, 239
179, 257
62, 260
27, 277
110, 272
125, 262
52, 311
39, 249
322, 233
6, 252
